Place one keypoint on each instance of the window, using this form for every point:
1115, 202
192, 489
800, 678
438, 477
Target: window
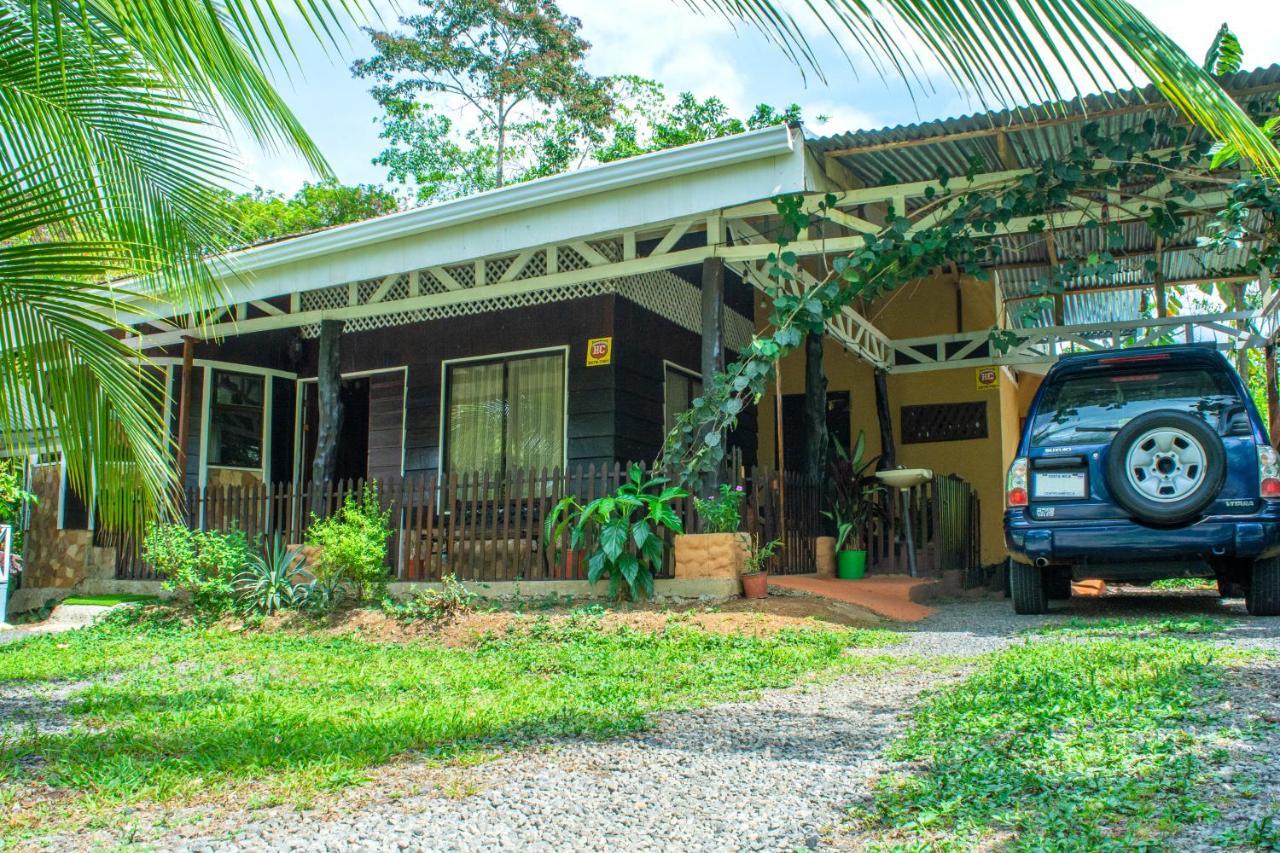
505, 413
682, 388
235, 420
944, 422
1093, 406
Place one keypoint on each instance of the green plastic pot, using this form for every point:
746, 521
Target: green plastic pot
851, 565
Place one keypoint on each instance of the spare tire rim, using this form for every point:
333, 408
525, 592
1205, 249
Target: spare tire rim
1165, 464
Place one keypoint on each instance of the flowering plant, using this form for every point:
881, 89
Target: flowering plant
720, 513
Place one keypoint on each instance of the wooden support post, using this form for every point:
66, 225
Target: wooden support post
329, 403
1242, 353
888, 455
816, 439
1273, 395
1162, 298
712, 330
184, 413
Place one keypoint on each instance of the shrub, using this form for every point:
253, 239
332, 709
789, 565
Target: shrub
270, 581
452, 599
200, 566
721, 513
352, 546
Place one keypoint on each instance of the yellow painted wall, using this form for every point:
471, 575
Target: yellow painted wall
927, 308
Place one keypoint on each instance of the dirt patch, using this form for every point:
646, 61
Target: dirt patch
759, 618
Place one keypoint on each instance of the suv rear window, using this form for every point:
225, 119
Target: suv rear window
1092, 406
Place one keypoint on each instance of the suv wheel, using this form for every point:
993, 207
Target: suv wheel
1164, 467
1030, 592
1262, 595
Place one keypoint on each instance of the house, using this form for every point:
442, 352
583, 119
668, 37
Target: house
564, 322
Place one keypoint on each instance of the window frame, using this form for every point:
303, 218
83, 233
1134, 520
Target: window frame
442, 448
667, 366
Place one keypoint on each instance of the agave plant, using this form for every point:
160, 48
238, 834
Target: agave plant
272, 580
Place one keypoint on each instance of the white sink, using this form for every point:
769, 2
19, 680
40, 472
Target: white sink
905, 478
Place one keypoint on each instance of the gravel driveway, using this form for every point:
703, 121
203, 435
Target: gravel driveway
771, 774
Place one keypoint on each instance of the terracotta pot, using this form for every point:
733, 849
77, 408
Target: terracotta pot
825, 556
572, 565
755, 585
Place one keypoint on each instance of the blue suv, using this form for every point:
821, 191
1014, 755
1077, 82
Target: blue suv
1137, 465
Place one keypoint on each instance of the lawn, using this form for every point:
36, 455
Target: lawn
161, 711
1081, 744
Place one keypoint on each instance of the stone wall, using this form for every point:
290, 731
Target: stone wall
53, 558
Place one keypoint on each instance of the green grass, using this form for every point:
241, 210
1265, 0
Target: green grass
1184, 583
173, 711
1134, 627
110, 600
1057, 746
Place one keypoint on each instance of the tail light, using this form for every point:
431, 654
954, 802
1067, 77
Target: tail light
1016, 486
1268, 472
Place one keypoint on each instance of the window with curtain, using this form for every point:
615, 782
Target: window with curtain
505, 414
235, 420
682, 387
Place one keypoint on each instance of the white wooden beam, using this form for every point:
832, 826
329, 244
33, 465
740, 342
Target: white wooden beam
677, 231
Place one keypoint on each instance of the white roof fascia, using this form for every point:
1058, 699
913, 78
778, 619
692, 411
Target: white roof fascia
609, 198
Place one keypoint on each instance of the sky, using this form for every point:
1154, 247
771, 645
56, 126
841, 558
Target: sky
664, 40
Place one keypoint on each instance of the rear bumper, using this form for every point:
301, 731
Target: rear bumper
1113, 541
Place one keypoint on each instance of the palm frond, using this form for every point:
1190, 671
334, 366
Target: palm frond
1225, 53
1008, 52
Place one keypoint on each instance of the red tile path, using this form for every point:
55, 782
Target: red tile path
895, 597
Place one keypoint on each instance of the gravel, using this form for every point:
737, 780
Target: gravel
777, 773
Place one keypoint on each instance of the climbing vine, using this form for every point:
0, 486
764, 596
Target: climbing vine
1151, 172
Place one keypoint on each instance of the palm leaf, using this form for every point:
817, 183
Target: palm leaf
1225, 54
1018, 51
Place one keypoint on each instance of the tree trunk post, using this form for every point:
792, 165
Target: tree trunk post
817, 442
1273, 395
712, 330
888, 456
329, 403
184, 416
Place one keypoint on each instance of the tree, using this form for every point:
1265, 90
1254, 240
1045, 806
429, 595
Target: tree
515, 65
110, 119
267, 215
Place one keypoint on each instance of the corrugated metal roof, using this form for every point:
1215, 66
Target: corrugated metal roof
918, 152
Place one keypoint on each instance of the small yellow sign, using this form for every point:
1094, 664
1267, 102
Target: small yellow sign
988, 378
599, 352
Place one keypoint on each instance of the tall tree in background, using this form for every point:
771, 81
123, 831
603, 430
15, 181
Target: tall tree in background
267, 215
510, 63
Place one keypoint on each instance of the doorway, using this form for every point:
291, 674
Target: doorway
352, 458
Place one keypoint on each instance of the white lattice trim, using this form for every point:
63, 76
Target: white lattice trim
662, 292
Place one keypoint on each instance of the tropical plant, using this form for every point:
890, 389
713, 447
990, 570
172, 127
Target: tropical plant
199, 565
758, 556
111, 116
626, 528
721, 512
271, 579
1013, 52
452, 599
857, 495
14, 499
351, 546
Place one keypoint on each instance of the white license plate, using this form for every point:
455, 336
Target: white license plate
1060, 485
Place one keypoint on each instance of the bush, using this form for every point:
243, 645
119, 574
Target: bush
452, 599
200, 566
720, 513
352, 547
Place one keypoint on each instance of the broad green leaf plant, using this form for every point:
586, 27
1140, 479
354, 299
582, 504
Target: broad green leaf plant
628, 529
112, 114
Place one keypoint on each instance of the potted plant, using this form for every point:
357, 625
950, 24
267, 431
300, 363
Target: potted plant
755, 576
857, 500
718, 550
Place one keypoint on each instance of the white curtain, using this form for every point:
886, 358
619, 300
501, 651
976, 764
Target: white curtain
505, 415
476, 413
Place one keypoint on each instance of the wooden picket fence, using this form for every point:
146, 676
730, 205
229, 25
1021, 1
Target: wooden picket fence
486, 526
945, 525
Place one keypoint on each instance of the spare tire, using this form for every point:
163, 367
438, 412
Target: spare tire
1166, 466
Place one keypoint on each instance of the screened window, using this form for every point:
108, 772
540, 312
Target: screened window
235, 420
505, 414
682, 388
